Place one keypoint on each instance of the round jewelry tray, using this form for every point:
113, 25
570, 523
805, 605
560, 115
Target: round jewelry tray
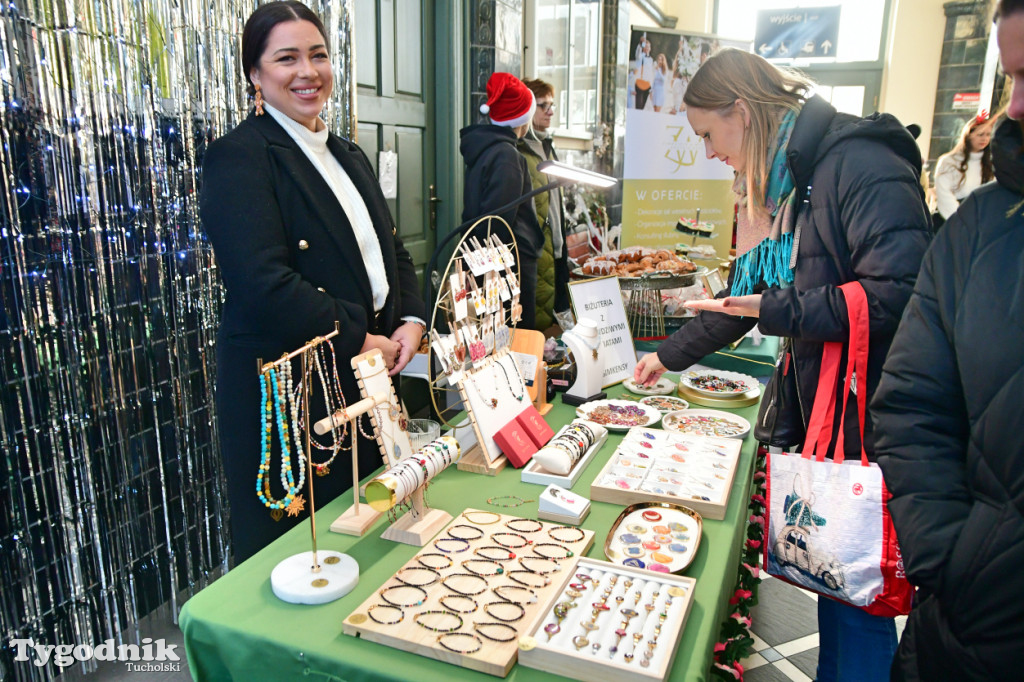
669, 513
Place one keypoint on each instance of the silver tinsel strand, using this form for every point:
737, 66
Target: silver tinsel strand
110, 481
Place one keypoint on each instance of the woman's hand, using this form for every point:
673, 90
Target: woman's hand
648, 370
389, 349
741, 306
408, 339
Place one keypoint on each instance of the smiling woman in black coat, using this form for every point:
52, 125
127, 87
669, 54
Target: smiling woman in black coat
304, 240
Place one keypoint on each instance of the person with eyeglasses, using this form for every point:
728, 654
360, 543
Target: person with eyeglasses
553, 264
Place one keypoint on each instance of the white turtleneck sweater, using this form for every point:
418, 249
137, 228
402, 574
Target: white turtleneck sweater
314, 145
949, 191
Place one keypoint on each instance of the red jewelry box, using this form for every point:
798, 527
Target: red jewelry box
515, 442
538, 429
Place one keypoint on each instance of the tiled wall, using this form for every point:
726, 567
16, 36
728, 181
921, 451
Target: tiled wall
496, 44
961, 66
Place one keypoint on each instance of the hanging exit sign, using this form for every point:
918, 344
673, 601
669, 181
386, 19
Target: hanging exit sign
800, 33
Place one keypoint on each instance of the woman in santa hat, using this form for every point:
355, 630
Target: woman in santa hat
497, 174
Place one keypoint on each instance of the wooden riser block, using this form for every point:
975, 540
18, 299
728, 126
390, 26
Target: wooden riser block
351, 523
476, 462
419, 531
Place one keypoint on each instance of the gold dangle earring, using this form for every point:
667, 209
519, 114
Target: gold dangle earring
258, 100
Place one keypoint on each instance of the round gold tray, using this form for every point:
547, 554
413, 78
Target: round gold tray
743, 400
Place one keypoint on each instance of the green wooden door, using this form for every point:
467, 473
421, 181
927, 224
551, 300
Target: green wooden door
394, 108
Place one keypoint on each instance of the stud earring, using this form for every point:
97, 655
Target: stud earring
258, 101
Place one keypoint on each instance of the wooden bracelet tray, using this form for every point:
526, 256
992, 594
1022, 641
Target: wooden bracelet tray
493, 658
559, 654
698, 471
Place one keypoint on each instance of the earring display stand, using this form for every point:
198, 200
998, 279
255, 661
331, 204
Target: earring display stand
372, 376
585, 343
313, 577
478, 302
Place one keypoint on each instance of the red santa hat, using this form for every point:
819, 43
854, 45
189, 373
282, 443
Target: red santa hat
509, 102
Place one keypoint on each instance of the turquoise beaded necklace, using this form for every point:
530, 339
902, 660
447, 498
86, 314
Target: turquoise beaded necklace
271, 390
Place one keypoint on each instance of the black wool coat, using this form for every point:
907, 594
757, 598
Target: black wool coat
292, 269
949, 413
861, 217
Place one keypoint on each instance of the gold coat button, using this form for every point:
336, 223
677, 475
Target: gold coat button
303, 245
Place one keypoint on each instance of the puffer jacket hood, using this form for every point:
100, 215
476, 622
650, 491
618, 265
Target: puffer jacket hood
822, 128
477, 139
1008, 155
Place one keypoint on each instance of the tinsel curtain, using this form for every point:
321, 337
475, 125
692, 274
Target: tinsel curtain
110, 482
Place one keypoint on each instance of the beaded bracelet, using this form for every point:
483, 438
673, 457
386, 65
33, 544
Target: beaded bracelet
544, 580
556, 529
477, 626
398, 576
384, 592
519, 501
496, 515
421, 557
504, 550
533, 595
452, 535
542, 555
479, 642
523, 560
451, 551
401, 614
508, 524
523, 541
498, 571
443, 602
438, 613
522, 610
465, 575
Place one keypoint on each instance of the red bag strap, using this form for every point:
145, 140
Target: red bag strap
820, 427
857, 361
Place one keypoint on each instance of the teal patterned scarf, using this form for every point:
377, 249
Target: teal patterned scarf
764, 246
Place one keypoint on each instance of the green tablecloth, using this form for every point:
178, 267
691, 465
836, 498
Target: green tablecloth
236, 629
757, 361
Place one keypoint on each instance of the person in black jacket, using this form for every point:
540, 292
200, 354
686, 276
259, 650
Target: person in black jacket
948, 413
825, 198
304, 241
497, 174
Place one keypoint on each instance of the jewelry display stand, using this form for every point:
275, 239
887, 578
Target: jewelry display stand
478, 301
695, 471
559, 505
585, 344
374, 382
404, 626
535, 473
637, 637
490, 395
392, 488
311, 577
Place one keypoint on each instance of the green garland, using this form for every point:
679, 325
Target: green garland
736, 641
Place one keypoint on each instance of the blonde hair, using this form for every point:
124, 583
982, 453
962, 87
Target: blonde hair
768, 91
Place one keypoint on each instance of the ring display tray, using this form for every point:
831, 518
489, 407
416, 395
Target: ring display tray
492, 658
612, 646
651, 465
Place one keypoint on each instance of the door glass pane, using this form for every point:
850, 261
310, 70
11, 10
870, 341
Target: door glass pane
567, 55
860, 23
849, 99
